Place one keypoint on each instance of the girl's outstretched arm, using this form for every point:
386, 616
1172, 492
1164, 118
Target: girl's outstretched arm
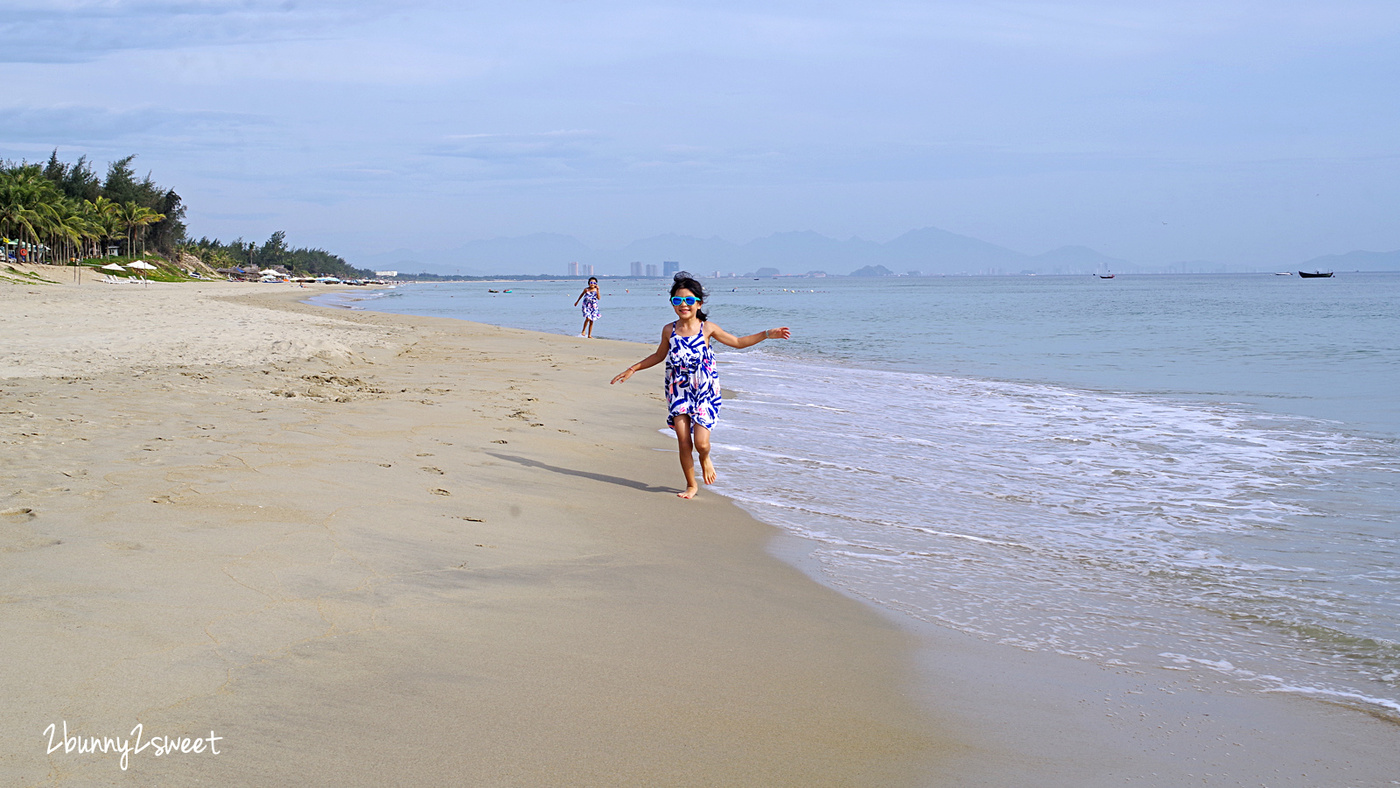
650, 361
726, 338
580, 297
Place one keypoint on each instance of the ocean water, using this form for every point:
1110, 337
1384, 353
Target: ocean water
1187, 473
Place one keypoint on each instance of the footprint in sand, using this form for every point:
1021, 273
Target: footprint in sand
431, 469
439, 491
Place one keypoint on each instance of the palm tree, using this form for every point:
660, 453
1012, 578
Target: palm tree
67, 230
149, 216
129, 216
133, 216
101, 213
15, 214
16, 217
28, 203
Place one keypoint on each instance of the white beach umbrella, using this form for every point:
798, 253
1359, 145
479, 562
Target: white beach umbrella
142, 265
112, 267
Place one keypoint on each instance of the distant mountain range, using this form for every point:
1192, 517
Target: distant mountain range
928, 251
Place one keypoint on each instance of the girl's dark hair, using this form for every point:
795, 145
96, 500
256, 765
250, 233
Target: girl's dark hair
592, 278
684, 281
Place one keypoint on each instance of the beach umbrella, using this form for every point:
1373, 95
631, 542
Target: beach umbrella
142, 265
111, 267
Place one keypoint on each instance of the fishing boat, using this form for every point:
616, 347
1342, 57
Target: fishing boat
1283, 273
1315, 275
1106, 276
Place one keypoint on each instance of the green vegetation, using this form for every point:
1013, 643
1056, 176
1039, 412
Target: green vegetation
71, 214
240, 254
63, 213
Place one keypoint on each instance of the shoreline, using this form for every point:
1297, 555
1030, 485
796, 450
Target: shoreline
697, 646
1058, 721
1316, 733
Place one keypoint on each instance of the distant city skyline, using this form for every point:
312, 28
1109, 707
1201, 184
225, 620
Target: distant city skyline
1167, 132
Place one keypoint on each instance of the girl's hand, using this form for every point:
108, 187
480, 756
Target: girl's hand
777, 333
623, 376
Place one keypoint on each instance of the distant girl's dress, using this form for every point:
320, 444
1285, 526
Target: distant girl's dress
590, 305
692, 384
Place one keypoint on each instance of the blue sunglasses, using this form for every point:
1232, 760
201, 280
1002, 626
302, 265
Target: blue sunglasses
687, 300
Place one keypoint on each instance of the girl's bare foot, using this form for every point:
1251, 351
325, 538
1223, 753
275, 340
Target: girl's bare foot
689, 492
707, 471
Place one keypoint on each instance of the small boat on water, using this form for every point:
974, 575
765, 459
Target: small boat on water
1315, 275
1283, 273
1106, 276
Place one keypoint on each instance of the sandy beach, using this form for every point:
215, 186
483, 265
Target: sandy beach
369, 550
366, 549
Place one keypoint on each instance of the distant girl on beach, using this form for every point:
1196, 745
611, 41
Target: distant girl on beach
692, 386
589, 297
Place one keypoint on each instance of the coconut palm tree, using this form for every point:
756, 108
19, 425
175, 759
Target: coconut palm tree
134, 216
101, 213
67, 229
28, 203
16, 215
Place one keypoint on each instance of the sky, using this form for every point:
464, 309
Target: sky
1242, 132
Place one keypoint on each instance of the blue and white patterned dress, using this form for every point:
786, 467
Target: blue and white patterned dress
692, 384
590, 306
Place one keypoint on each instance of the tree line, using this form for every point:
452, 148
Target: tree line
69, 210
274, 252
75, 214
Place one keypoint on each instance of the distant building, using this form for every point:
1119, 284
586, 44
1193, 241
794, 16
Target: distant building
637, 269
585, 270
385, 274
653, 269
715, 275
573, 269
671, 267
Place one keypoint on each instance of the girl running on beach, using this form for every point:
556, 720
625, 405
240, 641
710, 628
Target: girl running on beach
589, 297
692, 386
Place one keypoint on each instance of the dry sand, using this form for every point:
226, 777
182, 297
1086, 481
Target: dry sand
380, 550
374, 550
